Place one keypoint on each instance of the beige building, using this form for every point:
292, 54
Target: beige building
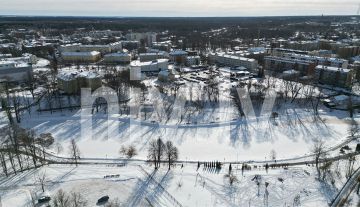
71, 82
338, 77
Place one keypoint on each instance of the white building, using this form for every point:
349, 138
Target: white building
104, 49
233, 61
117, 58
14, 72
148, 37
150, 66
81, 56
192, 60
333, 62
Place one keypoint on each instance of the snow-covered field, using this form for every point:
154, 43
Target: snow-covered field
236, 140
187, 185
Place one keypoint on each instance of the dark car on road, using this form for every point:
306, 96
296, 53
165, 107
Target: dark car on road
103, 199
44, 199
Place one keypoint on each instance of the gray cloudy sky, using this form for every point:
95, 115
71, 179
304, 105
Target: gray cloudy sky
178, 7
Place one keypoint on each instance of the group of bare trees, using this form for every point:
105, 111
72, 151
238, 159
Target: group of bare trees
21, 149
74, 199
162, 152
129, 151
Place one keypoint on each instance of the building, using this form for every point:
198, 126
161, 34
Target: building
150, 66
333, 62
25, 58
279, 52
71, 82
338, 77
178, 57
81, 57
130, 45
165, 76
148, 37
281, 64
303, 45
233, 61
192, 60
348, 51
356, 68
11, 71
5, 55
122, 58
164, 46
104, 49
145, 57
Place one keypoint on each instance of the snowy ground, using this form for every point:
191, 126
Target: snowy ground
233, 140
213, 134
186, 185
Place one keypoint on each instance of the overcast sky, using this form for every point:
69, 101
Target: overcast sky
178, 7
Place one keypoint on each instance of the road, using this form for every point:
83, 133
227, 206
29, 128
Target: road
349, 186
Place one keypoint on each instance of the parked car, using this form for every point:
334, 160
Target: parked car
44, 199
103, 199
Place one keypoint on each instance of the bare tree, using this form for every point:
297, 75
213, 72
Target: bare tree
3, 163
41, 179
319, 153
171, 153
45, 140
273, 155
33, 199
61, 199
77, 200
354, 129
156, 152
350, 166
129, 152
74, 151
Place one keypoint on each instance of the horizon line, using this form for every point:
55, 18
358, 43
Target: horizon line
112, 16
